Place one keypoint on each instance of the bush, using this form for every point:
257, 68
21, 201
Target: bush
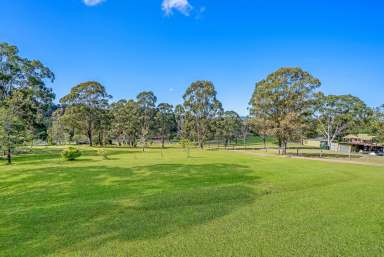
103, 153
71, 154
185, 143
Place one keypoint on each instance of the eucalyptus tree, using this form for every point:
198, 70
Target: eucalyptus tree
202, 107
337, 115
119, 121
245, 129
57, 130
103, 126
231, 126
180, 121
147, 105
166, 121
259, 127
24, 97
12, 129
283, 101
126, 122
85, 105
378, 123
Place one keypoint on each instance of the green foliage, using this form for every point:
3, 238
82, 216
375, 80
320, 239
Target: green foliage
71, 154
202, 108
337, 115
185, 143
165, 119
229, 126
147, 105
283, 102
24, 99
378, 124
86, 108
180, 117
126, 122
12, 131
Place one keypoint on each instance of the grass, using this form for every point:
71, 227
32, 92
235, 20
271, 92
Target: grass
215, 203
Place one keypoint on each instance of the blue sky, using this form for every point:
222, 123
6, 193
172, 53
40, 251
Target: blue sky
135, 45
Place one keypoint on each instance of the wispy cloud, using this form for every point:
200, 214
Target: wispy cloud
182, 6
93, 2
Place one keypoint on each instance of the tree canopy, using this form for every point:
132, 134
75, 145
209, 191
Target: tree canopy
25, 101
202, 106
338, 114
147, 105
284, 100
85, 107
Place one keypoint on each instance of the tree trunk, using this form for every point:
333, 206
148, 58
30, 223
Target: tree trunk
9, 155
71, 135
162, 141
280, 144
201, 144
144, 143
265, 142
90, 137
285, 148
100, 139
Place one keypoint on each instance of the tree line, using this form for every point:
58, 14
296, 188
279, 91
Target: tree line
287, 105
86, 116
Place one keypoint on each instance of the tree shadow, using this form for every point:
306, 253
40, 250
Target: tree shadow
51, 209
47, 155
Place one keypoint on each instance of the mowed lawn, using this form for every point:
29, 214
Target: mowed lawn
215, 203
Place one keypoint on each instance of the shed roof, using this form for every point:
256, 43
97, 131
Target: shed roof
360, 136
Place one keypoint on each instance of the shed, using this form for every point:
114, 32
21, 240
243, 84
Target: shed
316, 142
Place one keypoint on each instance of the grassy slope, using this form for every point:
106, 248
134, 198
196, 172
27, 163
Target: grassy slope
212, 204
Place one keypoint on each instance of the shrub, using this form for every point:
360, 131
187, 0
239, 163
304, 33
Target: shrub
71, 154
185, 143
103, 153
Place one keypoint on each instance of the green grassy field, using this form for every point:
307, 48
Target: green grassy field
215, 203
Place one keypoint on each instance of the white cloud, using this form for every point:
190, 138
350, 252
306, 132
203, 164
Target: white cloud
183, 6
92, 2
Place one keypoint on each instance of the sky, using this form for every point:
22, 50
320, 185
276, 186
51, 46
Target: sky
164, 45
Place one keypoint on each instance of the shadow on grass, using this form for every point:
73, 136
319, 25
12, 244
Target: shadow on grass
42, 155
52, 209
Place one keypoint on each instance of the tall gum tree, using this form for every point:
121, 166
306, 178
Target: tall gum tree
126, 122
231, 125
202, 107
339, 114
86, 103
180, 121
147, 105
283, 101
166, 121
24, 97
